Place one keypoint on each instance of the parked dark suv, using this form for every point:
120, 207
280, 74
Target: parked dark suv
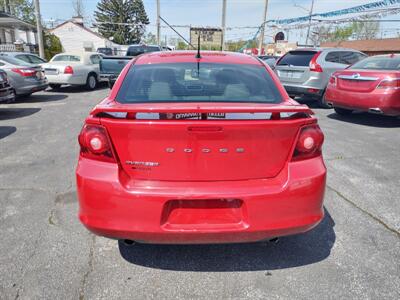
306, 72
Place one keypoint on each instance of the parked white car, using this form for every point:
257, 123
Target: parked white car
81, 69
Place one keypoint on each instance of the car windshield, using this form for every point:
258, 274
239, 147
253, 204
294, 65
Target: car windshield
297, 58
13, 61
137, 50
378, 63
66, 57
203, 82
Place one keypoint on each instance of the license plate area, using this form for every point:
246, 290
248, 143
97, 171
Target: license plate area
291, 74
204, 215
51, 71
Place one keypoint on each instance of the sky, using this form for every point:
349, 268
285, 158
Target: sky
208, 13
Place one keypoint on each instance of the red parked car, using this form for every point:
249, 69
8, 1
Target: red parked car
371, 85
200, 150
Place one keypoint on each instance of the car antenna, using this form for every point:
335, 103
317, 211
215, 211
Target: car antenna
198, 47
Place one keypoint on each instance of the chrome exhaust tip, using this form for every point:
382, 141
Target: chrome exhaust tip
375, 111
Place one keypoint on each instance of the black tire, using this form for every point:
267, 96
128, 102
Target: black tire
91, 82
55, 86
343, 111
13, 99
322, 101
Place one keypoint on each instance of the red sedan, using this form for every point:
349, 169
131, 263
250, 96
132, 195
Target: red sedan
371, 85
208, 149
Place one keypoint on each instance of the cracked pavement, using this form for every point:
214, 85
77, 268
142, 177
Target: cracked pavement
45, 253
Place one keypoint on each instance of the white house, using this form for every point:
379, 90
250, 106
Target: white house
16, 34
75, 37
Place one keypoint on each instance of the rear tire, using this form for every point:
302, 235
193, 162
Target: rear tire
322, 101
55, 86
343, 111
91, 82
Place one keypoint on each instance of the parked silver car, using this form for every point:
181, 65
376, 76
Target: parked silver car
26, 57
81, 69
25, 78
306, 72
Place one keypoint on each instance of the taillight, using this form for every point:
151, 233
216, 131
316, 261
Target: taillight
68, 70
95, 143
389, 84
332, 80
314, 66
309, 143
25, 72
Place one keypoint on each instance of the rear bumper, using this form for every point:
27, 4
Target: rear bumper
7, 95
379, 101
303, 91
31, 86
194, 212
71, 79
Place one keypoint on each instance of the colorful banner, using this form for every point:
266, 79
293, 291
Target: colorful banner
346, 11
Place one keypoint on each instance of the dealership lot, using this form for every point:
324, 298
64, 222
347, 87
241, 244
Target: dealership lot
47, 254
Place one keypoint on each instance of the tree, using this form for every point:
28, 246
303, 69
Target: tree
52, 45
22, 9
122, 20
365, 30
150, 39
235, 46
181, 45
357, 30
79, 9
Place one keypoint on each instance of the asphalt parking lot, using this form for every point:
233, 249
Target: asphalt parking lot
45, 253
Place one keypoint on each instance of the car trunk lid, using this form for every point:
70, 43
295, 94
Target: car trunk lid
361, 80
55, 68
203, 142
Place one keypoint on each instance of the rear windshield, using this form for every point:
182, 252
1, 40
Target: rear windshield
204, 82
137, 50
297, 58
106, 51
13, 61
66, 58
378, 63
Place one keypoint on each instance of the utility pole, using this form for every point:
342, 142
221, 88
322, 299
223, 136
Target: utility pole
6, 6
158, 23
309, 22
39, 28
262, 32
223, 25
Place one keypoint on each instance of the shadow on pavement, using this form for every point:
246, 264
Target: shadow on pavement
15, 113
78, 89
292, 251
368, 120
6, 131
36, 98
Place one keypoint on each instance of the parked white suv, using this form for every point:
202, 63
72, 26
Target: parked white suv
74, 69
306, 72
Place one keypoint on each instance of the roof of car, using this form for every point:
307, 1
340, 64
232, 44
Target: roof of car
16, 53
190, 56
324, 49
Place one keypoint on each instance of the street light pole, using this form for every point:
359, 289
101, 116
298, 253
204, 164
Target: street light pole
262, 32
158, 23
39, 29
223, 25
309, 21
